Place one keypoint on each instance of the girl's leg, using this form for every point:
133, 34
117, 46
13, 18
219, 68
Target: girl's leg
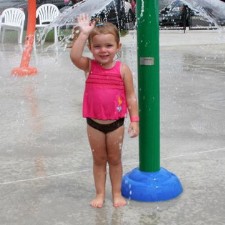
114, 142
98, 147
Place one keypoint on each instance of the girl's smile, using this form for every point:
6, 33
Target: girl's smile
104, 48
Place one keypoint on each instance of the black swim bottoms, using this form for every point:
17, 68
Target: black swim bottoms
106, 128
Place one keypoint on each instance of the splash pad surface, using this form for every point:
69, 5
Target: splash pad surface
46, 173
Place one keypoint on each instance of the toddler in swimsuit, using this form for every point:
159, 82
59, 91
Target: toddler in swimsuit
108, 95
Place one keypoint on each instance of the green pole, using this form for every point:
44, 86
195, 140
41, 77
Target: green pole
149, 182
148, 84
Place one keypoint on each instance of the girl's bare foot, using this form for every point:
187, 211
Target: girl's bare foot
98, 201
119, 201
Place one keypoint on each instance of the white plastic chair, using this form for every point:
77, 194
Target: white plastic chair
13, 19
46, 13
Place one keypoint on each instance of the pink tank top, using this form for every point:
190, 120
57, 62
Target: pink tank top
104, 94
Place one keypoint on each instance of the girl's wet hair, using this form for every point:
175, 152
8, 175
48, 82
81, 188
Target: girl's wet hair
104, 28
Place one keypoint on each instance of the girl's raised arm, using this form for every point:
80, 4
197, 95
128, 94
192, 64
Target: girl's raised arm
76, 54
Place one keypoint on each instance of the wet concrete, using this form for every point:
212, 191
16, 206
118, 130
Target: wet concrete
46, 165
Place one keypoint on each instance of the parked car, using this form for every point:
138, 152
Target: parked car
171, 16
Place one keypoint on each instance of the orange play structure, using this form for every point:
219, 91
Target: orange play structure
25, 69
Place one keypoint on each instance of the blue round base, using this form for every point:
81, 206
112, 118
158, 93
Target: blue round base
151, 186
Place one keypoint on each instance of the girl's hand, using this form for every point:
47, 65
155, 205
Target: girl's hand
85, 24
133, 129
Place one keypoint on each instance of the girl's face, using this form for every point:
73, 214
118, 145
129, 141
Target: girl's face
104, 48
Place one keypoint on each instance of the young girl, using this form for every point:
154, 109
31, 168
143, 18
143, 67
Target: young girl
109, 92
